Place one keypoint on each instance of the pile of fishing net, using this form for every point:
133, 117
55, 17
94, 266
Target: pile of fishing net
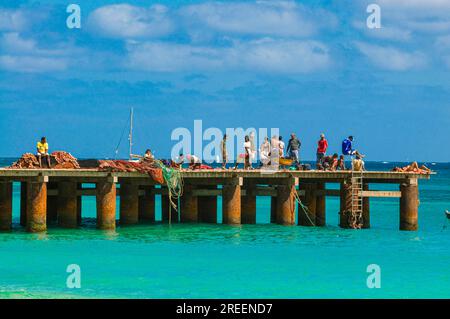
146, 167
58, 160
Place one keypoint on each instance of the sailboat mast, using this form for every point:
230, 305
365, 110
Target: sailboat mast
131, 133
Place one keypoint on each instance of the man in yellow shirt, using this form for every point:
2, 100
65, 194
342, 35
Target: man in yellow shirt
42, 150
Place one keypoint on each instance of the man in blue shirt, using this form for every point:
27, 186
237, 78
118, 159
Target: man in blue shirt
347, 147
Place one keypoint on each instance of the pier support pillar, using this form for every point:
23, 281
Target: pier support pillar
320, 205
106, 204
307, 217
36, 206
188, 205
207, 207
286, 203
231, 203
273, 209
366, 208
79, 204
166, 209
5, 206
147, 205
67, 204
345, 204
129, 203
409, 205
52, 202
248, 204
23, 204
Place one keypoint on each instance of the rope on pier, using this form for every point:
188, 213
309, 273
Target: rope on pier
174, 182
303, 207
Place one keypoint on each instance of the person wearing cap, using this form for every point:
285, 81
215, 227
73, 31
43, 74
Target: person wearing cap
293, 148
322, 146
347, 147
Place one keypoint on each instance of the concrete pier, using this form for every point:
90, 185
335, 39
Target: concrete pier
231, 203
239, 189
345, 204
320, 205
36, 206
106, 204
5, 206
207, 206
248, 204
286, 203
147, 204
409, 204
188, 205
67, 204
129, 203
307, 216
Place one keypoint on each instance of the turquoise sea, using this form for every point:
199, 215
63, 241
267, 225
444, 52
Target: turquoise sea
249, 261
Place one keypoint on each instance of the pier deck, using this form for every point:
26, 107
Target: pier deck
56, 194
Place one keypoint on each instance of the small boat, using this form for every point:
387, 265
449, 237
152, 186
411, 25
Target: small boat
447, 213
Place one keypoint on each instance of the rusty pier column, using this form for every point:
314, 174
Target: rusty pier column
366, 208
147, 204
248, 203
23, 204
207, 207
286, 203
320, 205
231, 202
67, 204
307, 217
37, 205
52, 202
345, 204
129, 203
188, 205
106, 203
409, 205
5, 205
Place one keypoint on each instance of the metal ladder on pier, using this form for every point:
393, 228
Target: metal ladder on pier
357, 198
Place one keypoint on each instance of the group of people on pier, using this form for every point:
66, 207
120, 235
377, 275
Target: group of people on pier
272, 153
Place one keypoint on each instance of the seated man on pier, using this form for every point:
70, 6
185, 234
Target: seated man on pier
347, 147
42, 150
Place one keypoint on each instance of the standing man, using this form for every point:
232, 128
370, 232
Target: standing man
293, 148
322, 146
223, 148
42, 150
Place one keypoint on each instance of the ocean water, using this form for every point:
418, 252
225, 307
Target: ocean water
248, 261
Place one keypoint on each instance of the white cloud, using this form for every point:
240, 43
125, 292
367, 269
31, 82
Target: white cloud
26, 55
127, 21
266, 55
391, 58
32, 64
385, 33
12, 20
270, 18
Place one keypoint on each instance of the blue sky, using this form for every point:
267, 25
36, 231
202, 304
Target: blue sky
303, 66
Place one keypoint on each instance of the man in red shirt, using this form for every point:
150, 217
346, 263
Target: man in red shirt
322, 146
